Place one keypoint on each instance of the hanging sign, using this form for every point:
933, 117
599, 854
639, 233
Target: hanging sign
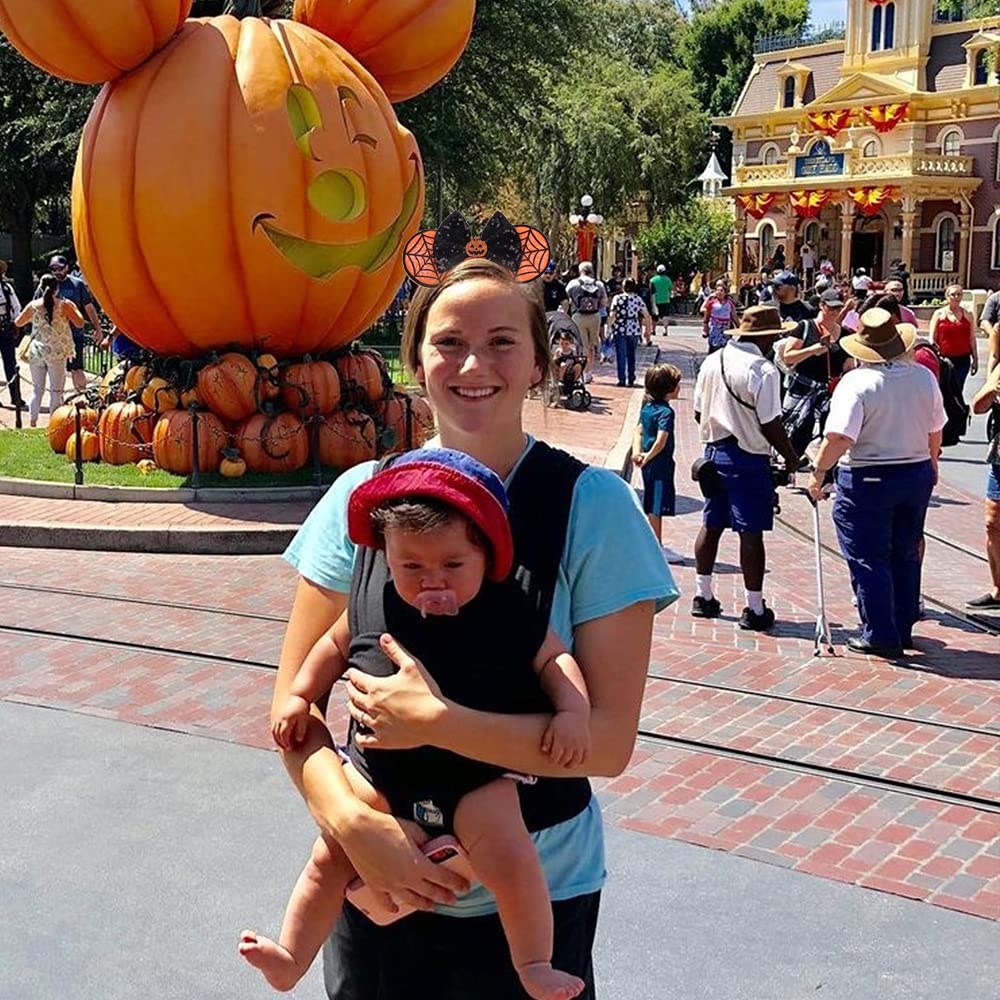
819, 162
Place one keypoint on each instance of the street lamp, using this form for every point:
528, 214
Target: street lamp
585, 223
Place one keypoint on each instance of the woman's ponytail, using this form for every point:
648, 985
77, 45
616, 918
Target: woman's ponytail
49, 288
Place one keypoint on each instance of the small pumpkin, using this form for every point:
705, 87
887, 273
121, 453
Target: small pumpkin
125, 431
346, 438
146, 466
136, 377
159, 395
189, 398
267, 367
173, 442
232, 465
272, 442
407, 422
228, 386
62, 425
310, 388
407, 47
90, 447
362, 373
94, 41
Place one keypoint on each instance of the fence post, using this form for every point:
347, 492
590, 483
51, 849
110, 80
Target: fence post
195, 450
78, 431
314, 446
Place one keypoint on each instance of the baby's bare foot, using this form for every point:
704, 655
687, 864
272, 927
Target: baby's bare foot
275, 962
542, 982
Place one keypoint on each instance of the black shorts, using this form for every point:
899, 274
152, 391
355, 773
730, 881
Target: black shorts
427, 956
76, 362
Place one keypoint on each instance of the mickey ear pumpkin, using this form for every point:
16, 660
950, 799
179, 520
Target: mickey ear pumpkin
407, 45
90, 41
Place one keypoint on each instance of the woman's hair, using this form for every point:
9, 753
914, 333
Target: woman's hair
629, 284
661, 380
472, 269
419, 515
879, 300
952, 288
49, 288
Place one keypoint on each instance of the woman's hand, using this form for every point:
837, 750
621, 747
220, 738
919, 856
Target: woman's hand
400, 710
385, 853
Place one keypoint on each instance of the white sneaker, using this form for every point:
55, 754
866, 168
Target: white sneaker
670, 555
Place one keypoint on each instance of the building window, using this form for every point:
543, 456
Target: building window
766, 234
788, 101
945, 250
883, 26
951, 142
981, 68
996, 244
810, 234
870, 149
770, 156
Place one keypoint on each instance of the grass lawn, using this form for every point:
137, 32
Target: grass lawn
26, 454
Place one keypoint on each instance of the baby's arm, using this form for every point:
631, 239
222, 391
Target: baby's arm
567, 738
637, 456
322, 667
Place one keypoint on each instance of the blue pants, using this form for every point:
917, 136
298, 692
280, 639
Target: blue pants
879, 515
746, 503
625, 357
962, 367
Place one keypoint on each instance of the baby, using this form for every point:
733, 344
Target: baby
441, 518
569, 369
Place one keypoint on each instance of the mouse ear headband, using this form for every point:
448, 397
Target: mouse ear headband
430, 254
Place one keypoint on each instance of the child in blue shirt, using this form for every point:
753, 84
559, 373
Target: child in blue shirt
653, 450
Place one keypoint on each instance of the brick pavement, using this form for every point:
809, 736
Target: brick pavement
871, 835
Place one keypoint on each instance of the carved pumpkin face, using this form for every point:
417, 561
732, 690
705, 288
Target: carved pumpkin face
476, 248
249, 185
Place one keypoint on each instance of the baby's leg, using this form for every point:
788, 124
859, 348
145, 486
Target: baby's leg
313, 908
488, 822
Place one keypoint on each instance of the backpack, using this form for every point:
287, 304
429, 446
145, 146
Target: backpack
588, 300
955, 407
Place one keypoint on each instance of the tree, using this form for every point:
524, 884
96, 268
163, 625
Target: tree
718, 46
646, 33
687, 238
40, 123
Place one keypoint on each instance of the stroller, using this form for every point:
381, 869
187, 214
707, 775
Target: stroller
570, 386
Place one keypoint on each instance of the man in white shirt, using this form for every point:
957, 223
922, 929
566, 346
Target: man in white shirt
10, 308
862, 283
807, 257
738, 407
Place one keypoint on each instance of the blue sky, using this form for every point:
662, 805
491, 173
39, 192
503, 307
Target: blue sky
825, 11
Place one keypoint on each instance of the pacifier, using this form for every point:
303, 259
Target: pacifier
436, 602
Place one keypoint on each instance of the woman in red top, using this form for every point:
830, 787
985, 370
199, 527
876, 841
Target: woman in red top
954, 334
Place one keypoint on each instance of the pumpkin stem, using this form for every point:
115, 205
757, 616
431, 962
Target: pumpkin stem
244, 8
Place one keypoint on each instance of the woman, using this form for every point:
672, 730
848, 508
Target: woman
987, 400
718, 317
815, 360
953, 332
50, 345
627, 320
478, 344
884, 427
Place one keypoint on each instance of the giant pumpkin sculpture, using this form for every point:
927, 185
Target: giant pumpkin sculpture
408, 45
248, 186
90, 41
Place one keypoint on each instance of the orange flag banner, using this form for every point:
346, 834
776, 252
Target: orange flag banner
830, 122
884, 117
808, 204
870, 199
756, 204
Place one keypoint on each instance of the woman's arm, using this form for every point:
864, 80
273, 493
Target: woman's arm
932, 333
407, 709
26, 313
973, 344
71, 312
795, 352
985, 398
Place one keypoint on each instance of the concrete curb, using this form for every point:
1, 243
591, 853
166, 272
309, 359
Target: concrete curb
137, 494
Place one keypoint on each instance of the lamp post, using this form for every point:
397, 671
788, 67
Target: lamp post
585, 223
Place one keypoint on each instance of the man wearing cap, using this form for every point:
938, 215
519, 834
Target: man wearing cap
737, 405
884, 428
554, 295
10, 309
815, 359
663, 291
786, 292
588, 297
76, 290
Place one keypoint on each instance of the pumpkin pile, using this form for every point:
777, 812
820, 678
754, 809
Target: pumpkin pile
252, 412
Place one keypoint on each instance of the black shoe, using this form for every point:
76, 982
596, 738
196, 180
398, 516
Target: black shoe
631, 383
985, 603
860, 645
753, 622
705, 607
621, 385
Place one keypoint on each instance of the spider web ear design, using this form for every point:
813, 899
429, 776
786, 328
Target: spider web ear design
418, 259
535, 253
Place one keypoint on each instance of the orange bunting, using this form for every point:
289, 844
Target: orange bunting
870, 199
756, 204
830, 122
884, 117
808, 204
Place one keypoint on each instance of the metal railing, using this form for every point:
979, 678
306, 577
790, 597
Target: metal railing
856, 166
774, 41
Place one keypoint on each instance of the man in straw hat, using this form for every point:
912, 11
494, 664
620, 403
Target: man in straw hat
884, 428
737, 402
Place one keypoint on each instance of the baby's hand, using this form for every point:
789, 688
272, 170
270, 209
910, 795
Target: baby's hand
638, 459
289, 726
567, 740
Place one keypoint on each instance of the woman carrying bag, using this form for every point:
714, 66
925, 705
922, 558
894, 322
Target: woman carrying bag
49, 346
628, 319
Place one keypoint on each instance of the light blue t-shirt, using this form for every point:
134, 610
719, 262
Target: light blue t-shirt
611, 560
